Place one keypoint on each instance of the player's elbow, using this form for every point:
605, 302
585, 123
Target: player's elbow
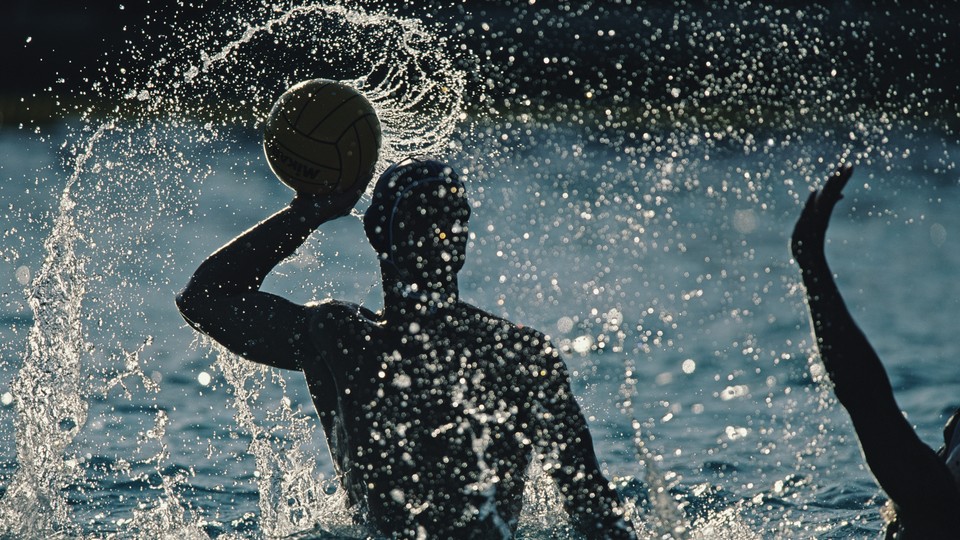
189, 304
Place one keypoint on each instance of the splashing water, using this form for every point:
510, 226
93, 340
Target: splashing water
139, 165
50, 406
634, 171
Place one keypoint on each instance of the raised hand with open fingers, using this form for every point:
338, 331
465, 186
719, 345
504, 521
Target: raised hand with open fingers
807, 240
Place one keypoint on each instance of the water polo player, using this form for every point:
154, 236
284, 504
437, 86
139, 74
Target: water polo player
922, 484
433, 409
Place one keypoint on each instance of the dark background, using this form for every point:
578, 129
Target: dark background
51, 51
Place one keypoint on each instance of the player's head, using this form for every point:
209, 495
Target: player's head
417, 220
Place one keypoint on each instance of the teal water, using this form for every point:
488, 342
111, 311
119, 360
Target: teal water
655, 255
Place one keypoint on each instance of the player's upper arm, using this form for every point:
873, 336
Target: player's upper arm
909, 471
555, 410
564, 439
258, 326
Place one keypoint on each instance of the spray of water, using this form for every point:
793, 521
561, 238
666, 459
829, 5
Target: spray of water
654, 143
139, 165
48, 391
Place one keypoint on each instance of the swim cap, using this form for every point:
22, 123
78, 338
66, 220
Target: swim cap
395, 186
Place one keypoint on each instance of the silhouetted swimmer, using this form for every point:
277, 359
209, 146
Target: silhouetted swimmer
432, 408
922, 484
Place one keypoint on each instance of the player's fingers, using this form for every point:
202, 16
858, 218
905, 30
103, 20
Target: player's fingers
810, 206
832, 190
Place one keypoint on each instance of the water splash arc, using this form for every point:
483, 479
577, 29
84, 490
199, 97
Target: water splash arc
98, 245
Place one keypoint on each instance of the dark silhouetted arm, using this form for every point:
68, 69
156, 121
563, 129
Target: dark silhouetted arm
908, 470
223, 298
565, 442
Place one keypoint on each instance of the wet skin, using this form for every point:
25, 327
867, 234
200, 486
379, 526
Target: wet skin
433, 409
922, 489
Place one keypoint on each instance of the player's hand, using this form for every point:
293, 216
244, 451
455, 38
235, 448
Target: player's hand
331, 206
807, 240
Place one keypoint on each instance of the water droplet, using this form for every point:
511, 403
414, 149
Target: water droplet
744, 221
938, 234
582, 344
23, 275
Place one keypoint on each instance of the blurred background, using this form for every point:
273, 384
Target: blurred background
51, 50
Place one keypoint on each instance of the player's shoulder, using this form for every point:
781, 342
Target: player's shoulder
332, 315
519, 334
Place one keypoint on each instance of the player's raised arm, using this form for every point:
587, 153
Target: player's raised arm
223, 298
322, 139
907, 469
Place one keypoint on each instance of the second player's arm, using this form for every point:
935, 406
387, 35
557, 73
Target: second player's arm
908, 470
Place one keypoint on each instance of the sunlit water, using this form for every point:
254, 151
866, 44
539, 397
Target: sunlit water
649, 242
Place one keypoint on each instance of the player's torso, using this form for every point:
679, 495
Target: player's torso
435, 412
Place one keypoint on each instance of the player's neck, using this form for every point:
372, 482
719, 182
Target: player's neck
419, 297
